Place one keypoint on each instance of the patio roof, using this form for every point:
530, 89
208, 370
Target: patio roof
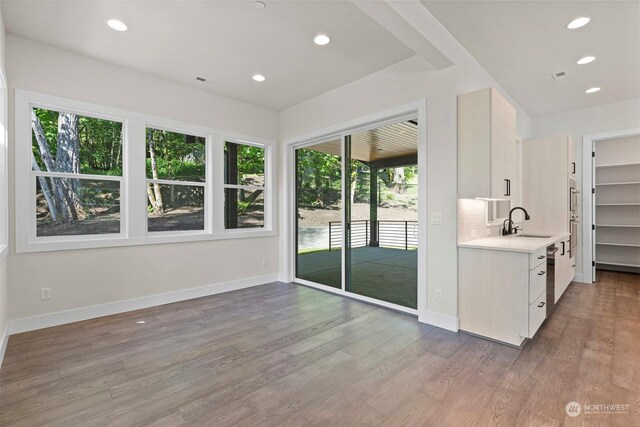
382, 145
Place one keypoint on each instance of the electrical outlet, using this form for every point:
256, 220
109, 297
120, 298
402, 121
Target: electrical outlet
265, 262
45, 293
473, 233
436, 218
438, 294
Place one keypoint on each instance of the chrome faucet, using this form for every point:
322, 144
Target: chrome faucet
507, 231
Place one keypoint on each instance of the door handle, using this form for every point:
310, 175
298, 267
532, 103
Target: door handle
541, 257
541, 273
541, 304
573, 164
506, 187
562, 248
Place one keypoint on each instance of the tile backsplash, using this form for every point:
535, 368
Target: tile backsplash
472, 221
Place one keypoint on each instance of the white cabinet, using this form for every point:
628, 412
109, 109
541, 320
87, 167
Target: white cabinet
548, 166
564, 271
501, 294
487, 155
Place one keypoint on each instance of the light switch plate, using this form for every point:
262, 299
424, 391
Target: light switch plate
436, 218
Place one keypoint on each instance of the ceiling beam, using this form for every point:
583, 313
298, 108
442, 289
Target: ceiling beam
386, 16
394, 162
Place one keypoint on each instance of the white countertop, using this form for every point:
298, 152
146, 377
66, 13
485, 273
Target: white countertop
515, 243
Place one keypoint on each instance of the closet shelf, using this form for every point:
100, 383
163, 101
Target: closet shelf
618, 263
617, 204
618, 165
617, 183
629, 245
619, 225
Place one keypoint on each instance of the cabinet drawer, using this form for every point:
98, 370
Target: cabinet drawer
537, 313
537, 282
537, 258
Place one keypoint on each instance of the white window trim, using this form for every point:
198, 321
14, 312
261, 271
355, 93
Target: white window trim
133, 197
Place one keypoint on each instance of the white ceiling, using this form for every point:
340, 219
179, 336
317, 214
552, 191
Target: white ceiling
224, 41
521, 43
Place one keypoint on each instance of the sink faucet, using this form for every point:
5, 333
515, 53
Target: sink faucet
511, 229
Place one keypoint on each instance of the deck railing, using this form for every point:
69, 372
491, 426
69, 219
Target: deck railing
391, 234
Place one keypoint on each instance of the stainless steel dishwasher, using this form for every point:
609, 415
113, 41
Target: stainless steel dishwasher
551, 279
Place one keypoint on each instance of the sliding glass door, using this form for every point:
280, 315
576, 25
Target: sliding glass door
373, 190
319, 213
382, 213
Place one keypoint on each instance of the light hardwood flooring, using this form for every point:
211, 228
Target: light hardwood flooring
283, 354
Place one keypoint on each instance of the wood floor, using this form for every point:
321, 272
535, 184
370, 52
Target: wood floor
289, 355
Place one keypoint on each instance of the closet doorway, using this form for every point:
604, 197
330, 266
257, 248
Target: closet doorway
615, 202
356, 214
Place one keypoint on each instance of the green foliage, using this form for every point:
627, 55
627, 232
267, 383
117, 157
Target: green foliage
178, 156
100, 143
250, 160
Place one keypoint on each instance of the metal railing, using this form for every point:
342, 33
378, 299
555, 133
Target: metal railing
391, 234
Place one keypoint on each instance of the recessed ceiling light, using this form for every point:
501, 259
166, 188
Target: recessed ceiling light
592, 90
259, 5
578, 22
586, 60
321, 40
259, 78
117, 24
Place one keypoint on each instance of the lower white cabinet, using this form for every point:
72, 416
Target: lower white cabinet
537, 313
564, 268
501, 294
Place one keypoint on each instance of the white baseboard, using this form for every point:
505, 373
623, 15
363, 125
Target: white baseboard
3, 343
26, 324
444, 321
578, 278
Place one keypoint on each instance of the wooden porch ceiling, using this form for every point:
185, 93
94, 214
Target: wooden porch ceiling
387, 142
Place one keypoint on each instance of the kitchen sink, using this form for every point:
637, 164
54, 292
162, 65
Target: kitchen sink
538, 236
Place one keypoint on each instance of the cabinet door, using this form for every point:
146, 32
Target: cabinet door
503, 148
562, 270
571, 156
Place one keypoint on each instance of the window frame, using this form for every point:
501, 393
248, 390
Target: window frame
133, 195
267, 175
208, 202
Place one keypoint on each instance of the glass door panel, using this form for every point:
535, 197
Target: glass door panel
382, 213
319, 213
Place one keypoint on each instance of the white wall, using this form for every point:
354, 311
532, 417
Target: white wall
402, 83
604, 118
97, 276
3, 263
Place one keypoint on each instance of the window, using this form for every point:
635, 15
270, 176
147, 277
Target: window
244, 185
77, 167
176, 181
91, 176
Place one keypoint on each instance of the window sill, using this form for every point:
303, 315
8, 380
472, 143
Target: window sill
119, 241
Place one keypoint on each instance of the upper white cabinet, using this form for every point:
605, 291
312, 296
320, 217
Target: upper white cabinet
547, 183
487, 156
